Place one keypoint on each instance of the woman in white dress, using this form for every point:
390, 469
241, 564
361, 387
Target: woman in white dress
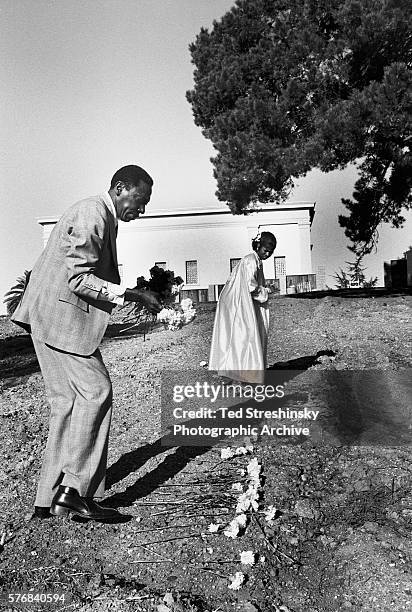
239, 339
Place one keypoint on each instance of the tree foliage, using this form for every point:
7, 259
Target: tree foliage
281, 88
354, 277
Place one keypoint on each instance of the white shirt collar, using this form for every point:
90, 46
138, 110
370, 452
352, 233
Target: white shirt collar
109, 203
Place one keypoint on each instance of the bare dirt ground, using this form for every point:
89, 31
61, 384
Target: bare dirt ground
341, 535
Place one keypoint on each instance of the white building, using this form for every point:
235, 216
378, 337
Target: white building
203, 245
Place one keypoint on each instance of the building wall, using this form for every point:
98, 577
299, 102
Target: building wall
320, 278
211, 237
212, 241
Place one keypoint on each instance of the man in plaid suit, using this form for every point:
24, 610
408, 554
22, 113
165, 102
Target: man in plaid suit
73, 287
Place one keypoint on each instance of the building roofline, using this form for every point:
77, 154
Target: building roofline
199, 212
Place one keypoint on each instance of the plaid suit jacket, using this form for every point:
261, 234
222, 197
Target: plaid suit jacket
61, 304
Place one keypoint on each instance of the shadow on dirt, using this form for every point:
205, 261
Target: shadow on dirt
354, 408
17, 357
174, 463
301, 363
168, 468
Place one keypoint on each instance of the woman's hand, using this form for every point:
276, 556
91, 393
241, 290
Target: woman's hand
260, 294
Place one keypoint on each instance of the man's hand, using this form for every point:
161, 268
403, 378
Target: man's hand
149, 299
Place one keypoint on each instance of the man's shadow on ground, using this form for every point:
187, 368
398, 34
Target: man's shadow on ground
18, 357
174, 463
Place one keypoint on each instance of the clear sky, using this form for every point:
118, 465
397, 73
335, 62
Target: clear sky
89, 86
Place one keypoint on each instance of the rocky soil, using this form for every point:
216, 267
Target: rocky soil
340, 533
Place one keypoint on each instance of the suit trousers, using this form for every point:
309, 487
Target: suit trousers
79, 392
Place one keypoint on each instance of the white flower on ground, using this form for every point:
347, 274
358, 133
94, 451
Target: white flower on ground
253, 468
213, 528
242, 472
241, 520
235, 525
237, 486
254, 482
232, 530
270, 513
247, 557
243, 503
248, 500
244, 450
227, 453
241, 450
262, 559
237, 581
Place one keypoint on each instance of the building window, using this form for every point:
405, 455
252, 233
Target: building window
280, 266
191, 272
161, 264
233, 263
120, 269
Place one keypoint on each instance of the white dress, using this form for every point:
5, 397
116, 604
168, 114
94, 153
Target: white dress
239, 339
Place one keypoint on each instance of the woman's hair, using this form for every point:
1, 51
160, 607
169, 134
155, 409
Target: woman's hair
262, 238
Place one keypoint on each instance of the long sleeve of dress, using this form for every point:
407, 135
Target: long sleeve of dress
258, 292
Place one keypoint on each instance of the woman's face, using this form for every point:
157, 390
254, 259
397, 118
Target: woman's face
265, 249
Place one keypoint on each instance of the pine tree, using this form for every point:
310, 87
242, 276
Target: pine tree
284, 87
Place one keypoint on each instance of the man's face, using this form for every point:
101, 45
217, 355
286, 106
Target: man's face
131, 203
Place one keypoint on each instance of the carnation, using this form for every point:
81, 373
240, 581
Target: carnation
244, 450
241, 520
232, 530
241, 450
247, 557
270, 513
237, 486
253, 470
248, 500
235, 525
237, 580
227, 453
186, 304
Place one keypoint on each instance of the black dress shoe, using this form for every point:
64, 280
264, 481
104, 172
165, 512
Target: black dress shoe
41, 512
67, 500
